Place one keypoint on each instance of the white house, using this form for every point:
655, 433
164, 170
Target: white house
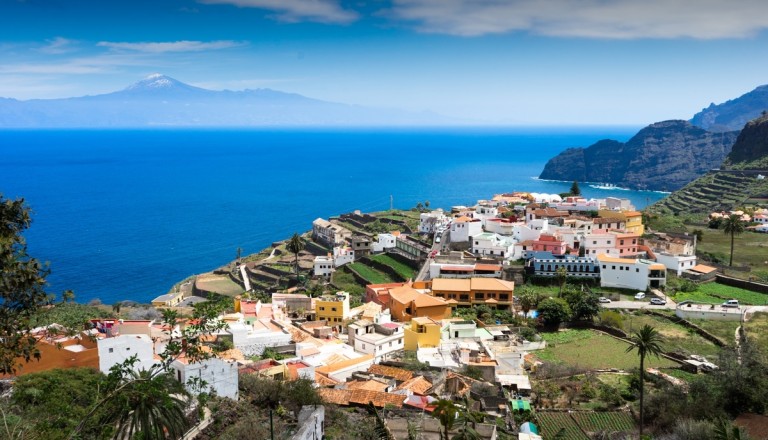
343, 255
464, 227
252, 336
323, 266
633, 274
378, 338
501, 226
579, 204
486, 212
430, 222
493, 245
329, 233
219, 376
458, 330
760, 218
677, 263
118, 349
383, 242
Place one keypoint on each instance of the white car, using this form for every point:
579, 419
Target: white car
731, 303
658, 301
640, 295
604, 300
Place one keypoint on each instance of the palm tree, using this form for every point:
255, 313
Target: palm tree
296, 245
527, 299
445, 412
150, 406
116, 308
562, 275
647, 341
67, 296
734, 226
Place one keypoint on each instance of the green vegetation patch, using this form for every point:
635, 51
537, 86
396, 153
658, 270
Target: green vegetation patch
750, 248
593, 350
560, 425
725, 330
371, 274
604, 421
344, 280
729, 292
757, 330
69, 315
403, 270
675, 337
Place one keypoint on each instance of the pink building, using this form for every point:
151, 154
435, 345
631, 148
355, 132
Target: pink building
549, 243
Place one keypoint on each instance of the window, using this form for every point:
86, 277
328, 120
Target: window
111, 350
363, 346
621, 242
333, 309
322, 308
613, 267
456, 334
479, 296
594, 242
609, 241
637, 270
504, 297
603, 266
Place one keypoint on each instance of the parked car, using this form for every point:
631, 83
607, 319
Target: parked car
640, 295
658, 301
604, 300
731, 303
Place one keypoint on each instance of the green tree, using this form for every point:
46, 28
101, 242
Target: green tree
68, 296
575, 190
553, 311
445, 411
527, 298
296, 245
116, 308
584, 305
733, 226
22, 283
647, 341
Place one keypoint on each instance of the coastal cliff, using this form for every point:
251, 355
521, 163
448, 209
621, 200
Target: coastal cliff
664, 156
740, 181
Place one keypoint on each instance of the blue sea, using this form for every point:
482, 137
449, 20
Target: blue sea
125, 214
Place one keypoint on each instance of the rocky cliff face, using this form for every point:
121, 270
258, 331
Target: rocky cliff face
751, 148
664, 156
733, 114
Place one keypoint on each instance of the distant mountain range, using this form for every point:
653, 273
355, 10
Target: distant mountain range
734, 114
664, 156
161, 101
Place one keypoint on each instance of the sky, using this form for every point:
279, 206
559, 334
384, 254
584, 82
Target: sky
508, 62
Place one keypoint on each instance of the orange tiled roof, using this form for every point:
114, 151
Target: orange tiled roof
370, 385
418, 384
450, 284
330, 368
491, 284
360, 397
701, 268
324, 381
487, 267
396, 373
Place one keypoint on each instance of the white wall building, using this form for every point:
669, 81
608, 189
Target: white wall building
311, 423
458, 330
220, 376
677, 263
254, 335
378, 338
118, 349
501, 226
493, 245
323, 266
430, 222
343, 255
384, 241
464, 227
632, 274
579, 204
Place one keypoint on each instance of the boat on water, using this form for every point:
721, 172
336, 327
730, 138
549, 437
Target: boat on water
606, 186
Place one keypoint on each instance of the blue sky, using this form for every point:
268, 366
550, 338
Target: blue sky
521, 62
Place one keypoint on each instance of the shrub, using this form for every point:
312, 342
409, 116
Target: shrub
612, 318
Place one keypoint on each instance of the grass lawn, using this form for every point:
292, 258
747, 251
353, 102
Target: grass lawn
757, 329
593, 350
346, 281
405, 271
674, 337
715, 293
750, 248
371, 274
220, 284
725, 330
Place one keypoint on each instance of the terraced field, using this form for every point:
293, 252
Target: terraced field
716, 190
579, 425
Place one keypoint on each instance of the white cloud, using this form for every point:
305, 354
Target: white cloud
322, 11
58, 45
617, 19
171, 46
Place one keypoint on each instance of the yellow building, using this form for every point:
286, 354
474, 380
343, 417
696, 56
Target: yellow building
333, 308
423, 332
632, 219
496, 293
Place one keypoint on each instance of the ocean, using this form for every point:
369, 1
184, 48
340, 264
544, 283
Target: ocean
125, 214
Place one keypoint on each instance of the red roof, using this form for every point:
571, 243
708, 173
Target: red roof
493, 267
